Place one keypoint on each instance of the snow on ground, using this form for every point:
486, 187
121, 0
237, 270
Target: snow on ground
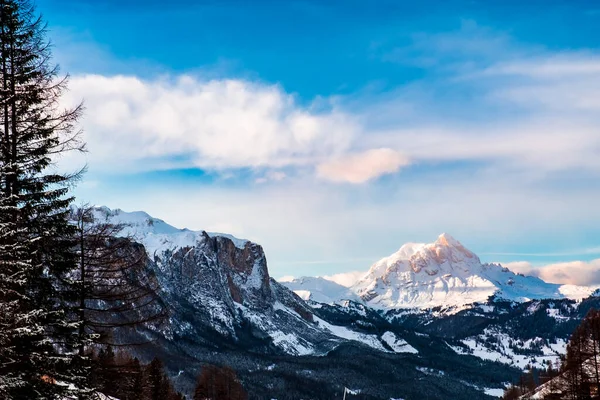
291, 343
345, 333
496, 346
303, 294
431, 371
319, 289
494, 392
556, 314
397, 344
155, 234
346, 279
101, 396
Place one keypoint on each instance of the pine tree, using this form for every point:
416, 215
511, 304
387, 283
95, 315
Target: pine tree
118, 375
37, 329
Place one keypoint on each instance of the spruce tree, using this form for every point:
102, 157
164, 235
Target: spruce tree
38, 324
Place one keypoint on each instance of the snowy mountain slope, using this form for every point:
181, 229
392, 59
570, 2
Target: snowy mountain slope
445, 273
220, 291
320, 290
226, 309
155, 234
346, 279
515, 334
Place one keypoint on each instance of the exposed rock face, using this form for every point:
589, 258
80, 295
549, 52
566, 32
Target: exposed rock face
243, 271
221, 296
227, 288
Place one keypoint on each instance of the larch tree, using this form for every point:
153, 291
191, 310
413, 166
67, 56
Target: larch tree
38, 322
117, 293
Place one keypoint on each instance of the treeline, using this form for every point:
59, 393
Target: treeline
68, 283
578, 376
123, 377
119, 375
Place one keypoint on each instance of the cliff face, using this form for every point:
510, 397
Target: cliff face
218, 292
216, 267
221, 286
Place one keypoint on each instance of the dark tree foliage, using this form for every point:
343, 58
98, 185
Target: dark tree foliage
581, 366
579, 374
219, 383
123, 377
116, 292
37, 330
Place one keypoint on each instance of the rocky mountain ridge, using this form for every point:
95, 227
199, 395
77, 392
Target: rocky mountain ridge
222, 289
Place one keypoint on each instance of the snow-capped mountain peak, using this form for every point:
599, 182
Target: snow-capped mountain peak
444, 273
446, 239
444, 256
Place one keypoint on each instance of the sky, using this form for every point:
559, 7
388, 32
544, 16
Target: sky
333, 132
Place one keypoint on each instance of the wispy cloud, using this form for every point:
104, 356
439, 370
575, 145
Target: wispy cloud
549, 66
361, 167
214, 124
573, 272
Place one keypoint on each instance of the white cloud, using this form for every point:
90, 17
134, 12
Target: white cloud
565, 65
361, 167
141, 125
218, 124
271, 176
561, 83
571, 273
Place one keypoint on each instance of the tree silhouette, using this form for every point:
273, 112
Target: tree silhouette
37, 325
215, 383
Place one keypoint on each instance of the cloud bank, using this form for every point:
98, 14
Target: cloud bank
569, 273
215, 125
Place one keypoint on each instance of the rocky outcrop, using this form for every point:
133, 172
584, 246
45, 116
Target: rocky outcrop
220, 293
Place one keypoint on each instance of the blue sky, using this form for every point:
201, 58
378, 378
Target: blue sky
332, 132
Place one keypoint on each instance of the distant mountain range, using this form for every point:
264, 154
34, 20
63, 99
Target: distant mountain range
405, 329
439, 274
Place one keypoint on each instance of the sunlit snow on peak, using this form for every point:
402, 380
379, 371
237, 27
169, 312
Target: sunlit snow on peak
154, 233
